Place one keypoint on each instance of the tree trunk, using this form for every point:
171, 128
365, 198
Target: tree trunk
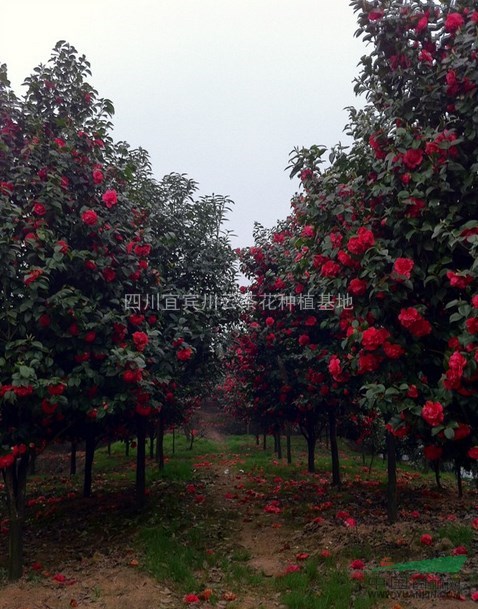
151, 444
257, 439
264, 441
15, 478
33, 462
73, 458
289, 448
140, 462
160, 441
392, 507
436, 469
90, 445
174, 439
311, 441
126, 447
334, 448
459, 479
109, 449
279, 445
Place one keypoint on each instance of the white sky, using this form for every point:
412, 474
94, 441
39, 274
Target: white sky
221, 90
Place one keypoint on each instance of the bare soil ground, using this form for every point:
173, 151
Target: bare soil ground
112, 577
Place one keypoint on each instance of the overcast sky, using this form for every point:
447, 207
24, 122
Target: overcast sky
221, 90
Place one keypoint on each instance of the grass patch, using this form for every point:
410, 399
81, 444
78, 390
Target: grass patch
315, 589
458, 534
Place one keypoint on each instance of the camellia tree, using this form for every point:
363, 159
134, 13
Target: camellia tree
195, 297
398, 210
66, 264
286, 349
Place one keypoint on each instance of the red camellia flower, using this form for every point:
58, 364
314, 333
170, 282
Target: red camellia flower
422, 24
89, 217
368, 362
97, 176
459, 281
136, 319
454, 22
90, 337
462, 431
57, 389
357, 564
191, 599
269, 321
357, 287
361, 242
33, 276
472, 325
393, 351
373, 338
39, 209
335, 367
132, 376
22, 391
110, 198
433, 413
44, 320
109, 274
330, 269
63, 245
48, 407
403, 267
184, 354
140, 340
143, 410
412, 320
304, 340
6, 461
426, 539
142, 250
473, 452
432, 452
413, 158
375, 15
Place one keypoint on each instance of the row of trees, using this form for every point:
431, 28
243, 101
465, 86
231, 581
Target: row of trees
376, 268
108, 317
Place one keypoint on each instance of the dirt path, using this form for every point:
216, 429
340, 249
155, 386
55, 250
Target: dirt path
270, 541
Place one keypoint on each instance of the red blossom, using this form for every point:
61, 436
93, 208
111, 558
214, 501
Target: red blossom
454, 22
373, 338
110, 198
140, 340
413, 158
39, 209
357, 287
97, 176
89, 217
432, 452
433, 413
426, 539
403, 267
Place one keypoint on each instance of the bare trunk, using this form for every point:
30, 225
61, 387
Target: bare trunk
73, 458
90, 445
140, 462
334, 448
15, 478
392, 504
160, 441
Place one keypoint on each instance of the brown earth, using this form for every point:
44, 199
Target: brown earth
114, 579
